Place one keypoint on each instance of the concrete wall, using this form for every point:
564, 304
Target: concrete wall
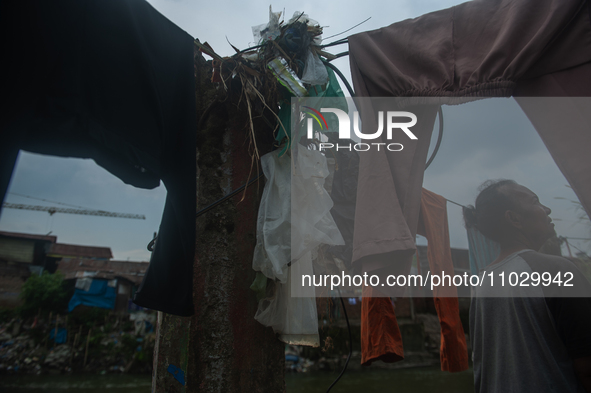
222, 348
17, 250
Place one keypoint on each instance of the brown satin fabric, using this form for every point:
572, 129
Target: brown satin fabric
564, 125
479, 49
474, 50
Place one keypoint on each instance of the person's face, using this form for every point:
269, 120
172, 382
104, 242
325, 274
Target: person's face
530, 217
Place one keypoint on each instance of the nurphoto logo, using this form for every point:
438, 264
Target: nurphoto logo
391, 118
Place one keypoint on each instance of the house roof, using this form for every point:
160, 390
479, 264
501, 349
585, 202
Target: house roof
79, 268
51, 239
77, 251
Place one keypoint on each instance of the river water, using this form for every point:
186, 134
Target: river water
414, 380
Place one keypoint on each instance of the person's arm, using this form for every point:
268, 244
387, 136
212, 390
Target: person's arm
582, 368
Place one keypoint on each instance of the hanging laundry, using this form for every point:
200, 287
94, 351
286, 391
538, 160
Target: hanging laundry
434, 226
481, 250
111, 80
380, 338
471, 51
344, 196
519, 52
380, 334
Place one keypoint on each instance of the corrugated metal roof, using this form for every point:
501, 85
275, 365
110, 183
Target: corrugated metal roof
51, 239
75, 268
77, 251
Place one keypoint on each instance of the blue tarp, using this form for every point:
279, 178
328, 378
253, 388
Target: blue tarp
62, 335
100, 294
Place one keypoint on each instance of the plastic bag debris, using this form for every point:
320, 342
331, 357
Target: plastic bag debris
268, 31
312, 223
312, 24
294, 220
294, 213
177, 373
287, 77
294, 319
315, 71
272, 252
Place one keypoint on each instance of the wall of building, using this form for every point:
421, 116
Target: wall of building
17, 250
12, 277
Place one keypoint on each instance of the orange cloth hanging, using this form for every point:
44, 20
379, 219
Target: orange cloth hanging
380, 334
433, 225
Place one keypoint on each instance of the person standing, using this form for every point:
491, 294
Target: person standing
535, 335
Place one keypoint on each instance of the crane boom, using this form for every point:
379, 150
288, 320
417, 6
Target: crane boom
52, 210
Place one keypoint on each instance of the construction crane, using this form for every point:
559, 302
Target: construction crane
51, 210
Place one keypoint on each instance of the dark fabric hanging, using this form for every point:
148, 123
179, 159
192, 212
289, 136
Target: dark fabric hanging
110, 80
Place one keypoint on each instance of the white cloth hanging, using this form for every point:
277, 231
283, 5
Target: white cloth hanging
294, 220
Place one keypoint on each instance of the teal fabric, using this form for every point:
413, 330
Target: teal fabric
482, 250
332, 90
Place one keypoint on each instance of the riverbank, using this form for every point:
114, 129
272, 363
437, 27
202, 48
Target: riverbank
95, 341
89, 341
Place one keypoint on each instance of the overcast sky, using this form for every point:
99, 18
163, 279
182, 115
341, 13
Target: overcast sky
478, 143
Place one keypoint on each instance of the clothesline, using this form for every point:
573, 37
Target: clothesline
455, 203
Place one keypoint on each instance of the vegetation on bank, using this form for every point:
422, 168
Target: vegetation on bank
41, 337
